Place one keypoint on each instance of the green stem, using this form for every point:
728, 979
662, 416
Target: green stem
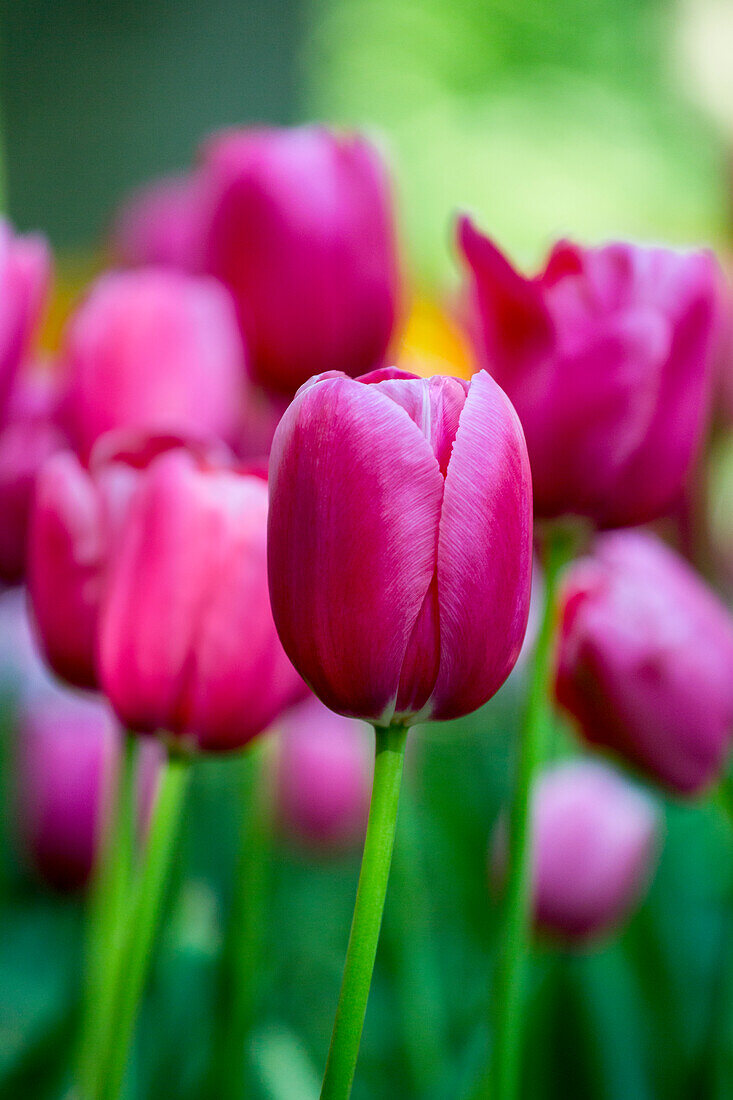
139, 934
243, 946
108, 899
370, 895
517, 902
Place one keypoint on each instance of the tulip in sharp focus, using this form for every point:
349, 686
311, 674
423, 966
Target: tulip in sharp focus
646, 660
594, 838
68, 756
187, 641
607, 356
77, 517
25, 273
161, 223
400, 542
323, 777
30, 435
300, 229
157, 351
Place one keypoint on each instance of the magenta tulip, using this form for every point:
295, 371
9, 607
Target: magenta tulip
595, 838
400, 542
161, 223
646, 660
30, 435
25, 274
68, 755
187, 641
300, 229
77, 517
323, 777
156, 351
607, 356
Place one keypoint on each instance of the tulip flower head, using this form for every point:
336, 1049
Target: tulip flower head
300, 229
400, 542
594, 842
161, 224
155, 351
646, 660
187, 643
68, 755
607, 356
25, 275
323, 777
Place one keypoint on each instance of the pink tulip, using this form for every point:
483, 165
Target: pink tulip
161, 223
400, 542
595, 838
25, 274
187, 641
608, 357
300, 228
323, 777
157, 351
68, 755
30, 435
76, 521
646, 660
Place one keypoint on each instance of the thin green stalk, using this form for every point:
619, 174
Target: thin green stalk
107, 904
370, 895
243, 946
139, 937
517, 902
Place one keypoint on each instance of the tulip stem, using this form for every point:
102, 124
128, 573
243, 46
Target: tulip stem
371, 892
139, 932
107, 902
514, 949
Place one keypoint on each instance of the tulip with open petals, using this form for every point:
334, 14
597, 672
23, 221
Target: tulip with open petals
608, 357
68, 756
153, 350
323, 777
400, 542
646, 660
594, 839
25, 273
187, 643
300, 229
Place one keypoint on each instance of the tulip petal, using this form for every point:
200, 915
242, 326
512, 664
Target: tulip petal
484, 553
356, 493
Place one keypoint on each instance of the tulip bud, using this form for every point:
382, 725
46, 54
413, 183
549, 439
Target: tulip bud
400, 542
161, 223
594, 841
68, 755
187, 641
156, 351
323, 777
301, 230
25, 273
646, 660
607, 356
31, 434
76, 520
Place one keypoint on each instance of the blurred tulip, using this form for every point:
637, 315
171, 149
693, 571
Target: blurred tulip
300, 228
646, 660
400, 542
68, 755
25, 275
323, 777
157, 351
31, 434
607, 356
161, 223
77, 517
594, 838
187, 641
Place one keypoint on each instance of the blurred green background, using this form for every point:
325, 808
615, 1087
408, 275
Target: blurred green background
589, 117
